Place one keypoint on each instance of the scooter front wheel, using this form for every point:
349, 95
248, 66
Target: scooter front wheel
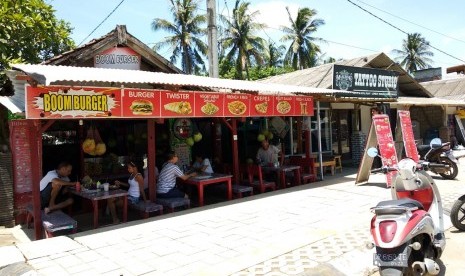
453, 169
457, 214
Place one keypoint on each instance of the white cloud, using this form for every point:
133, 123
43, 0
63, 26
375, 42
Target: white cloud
274, 14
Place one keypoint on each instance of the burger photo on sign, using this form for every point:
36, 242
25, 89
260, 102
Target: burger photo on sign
141, 107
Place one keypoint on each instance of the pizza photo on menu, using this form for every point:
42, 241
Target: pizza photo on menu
283, 107
261, 107
209, 108
237, 107
183, 108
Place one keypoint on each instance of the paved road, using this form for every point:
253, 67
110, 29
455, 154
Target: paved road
316, 229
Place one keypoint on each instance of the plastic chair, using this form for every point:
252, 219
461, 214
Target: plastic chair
256, 179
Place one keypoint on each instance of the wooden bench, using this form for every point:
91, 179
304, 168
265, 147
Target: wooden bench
53, 221
331, 164
172, 203
146, 208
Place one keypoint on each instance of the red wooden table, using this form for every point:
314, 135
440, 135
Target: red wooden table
281, 173
95, 195
207, 179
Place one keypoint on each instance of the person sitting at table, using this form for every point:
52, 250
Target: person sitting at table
202, 164
267, 154
54, 193
136, 189
166, 186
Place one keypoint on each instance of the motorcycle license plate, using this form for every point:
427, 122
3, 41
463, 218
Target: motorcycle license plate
390, 259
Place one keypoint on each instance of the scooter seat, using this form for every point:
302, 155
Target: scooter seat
388, 206
423, 147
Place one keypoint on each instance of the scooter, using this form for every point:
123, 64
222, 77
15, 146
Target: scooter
408, 231
441, 154
457, 213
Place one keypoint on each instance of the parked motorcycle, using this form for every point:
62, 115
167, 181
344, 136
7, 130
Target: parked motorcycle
442, 154
457, 213
408, 231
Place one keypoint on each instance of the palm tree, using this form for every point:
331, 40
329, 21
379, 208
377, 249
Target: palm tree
274, 54
302, 53
415, 53
186, 32
243, 47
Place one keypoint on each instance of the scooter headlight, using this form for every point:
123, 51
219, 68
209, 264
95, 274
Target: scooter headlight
407, 169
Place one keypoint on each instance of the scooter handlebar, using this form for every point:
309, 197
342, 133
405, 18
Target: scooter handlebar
427, 165
384, 169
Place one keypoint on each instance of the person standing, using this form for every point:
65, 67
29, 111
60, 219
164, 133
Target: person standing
54, 193
166, 187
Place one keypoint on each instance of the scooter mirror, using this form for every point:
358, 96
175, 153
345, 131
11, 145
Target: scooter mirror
372, 152
435, 143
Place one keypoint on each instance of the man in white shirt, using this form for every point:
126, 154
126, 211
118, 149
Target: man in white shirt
267, 154
202, 164
54, 185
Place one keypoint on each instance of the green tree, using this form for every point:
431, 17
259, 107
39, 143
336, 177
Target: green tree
303, 52
30, 32
415, 53
243, 48
274, 54
186, 30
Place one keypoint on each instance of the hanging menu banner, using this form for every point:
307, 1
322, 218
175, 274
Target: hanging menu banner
261, 106
303, 106
385, 143
209, 104
176, 104
407, 135
140, 102
51, 102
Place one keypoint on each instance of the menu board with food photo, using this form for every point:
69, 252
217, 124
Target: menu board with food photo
71, 102
303, 106
261, 105
236, 105
177, 104
208, 104
141, 102
284, 106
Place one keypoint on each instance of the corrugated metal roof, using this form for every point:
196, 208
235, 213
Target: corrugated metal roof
447, 88
49, 74
427, 101
322, 75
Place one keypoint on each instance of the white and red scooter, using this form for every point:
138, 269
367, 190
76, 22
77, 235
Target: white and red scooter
408, 231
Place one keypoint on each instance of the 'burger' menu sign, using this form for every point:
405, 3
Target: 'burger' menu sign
140, 102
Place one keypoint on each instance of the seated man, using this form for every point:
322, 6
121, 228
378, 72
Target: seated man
267, 154
202, 164
54, 192
166, 186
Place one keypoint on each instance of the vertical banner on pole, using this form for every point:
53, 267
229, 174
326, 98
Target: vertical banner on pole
407, 135
386, 146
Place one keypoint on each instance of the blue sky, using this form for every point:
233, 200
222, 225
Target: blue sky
351, 31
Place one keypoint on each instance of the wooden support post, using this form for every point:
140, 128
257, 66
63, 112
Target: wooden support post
235, 150
35, 145
151, 161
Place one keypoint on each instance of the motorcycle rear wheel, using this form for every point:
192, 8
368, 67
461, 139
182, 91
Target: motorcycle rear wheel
457, 214
453, 169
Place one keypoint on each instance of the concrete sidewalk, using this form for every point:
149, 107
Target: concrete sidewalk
315, 229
